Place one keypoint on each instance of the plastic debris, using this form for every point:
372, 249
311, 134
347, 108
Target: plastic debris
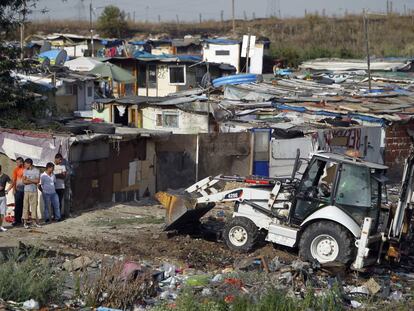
130, 270
396, 295
372, 286
360, 290
217, 278
198, 280
206, 291
31, 305
107, 309
355, 304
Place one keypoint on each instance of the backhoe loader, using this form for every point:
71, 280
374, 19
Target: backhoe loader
335, 211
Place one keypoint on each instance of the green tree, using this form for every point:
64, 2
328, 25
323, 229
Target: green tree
112, 22
16, 99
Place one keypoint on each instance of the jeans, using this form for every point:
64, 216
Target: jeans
18, 206
61, 195
53, 199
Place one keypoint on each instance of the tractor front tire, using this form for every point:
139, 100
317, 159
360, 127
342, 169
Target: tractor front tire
327, 241
241, 234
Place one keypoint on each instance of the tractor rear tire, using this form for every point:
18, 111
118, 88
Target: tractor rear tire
241, 234
327, 241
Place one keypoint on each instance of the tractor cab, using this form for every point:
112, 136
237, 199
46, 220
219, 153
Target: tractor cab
350, 184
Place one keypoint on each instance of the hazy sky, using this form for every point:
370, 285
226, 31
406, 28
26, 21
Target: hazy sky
189, 10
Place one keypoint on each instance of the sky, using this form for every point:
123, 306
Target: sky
190, 10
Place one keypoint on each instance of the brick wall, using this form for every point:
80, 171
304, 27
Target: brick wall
398, 145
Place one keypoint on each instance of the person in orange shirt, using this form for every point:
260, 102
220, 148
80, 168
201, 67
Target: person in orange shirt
18, 190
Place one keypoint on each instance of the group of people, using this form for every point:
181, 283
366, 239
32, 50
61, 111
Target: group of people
25, 183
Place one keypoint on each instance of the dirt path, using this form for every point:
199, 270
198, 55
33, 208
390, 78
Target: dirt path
134, 231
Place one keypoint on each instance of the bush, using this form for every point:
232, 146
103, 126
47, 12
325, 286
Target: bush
109, 289
30, 277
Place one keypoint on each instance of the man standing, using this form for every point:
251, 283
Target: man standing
50, 197
4, 179
18, 191
60, 173
30, 180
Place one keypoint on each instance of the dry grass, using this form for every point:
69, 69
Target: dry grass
295, 38
109, 289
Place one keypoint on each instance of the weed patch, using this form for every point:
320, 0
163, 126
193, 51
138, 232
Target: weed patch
29, 277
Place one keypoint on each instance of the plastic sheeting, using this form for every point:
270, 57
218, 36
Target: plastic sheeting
41, 148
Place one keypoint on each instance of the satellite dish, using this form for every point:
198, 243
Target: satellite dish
46, 46
61, 58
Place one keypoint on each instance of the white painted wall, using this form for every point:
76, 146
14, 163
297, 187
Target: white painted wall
76, 51
209, 54
256, 60
104, 115
188, 123
163, 84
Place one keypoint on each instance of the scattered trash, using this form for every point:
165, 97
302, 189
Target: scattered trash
396, 295
355, 304
198, 280
372, 286
77, 263
31, 305
360, 290
107, 309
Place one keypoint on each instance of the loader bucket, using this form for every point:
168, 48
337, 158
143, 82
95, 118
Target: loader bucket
182, 211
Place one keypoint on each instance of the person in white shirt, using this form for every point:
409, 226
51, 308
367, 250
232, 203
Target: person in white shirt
50, 197
60, 173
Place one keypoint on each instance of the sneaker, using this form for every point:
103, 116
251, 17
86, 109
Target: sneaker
26, 226
37, 225
2, 229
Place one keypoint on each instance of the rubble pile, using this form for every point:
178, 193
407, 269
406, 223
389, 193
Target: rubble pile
115, 283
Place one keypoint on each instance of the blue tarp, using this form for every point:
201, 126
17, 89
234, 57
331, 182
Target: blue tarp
143, 54
111, 43
52, 54
142, 42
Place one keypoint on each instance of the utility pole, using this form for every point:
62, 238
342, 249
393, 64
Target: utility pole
245, 15
178, 19
159, 18
222, 17
133, 17
146, 13
91, 28
366, 30
254, 15
233, 16
22, 20
200, 18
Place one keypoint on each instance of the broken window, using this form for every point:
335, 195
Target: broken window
167, 119
170, 120
152, 76
158, 120
177, 74
222, 52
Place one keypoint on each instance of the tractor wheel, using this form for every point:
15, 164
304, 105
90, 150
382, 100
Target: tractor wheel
327, 241
241, 234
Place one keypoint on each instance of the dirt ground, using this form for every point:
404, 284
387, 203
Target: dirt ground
134, 231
